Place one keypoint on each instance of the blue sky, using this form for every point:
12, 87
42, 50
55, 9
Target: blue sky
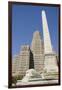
26, 19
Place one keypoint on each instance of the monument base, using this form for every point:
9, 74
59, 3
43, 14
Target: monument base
31, 74
50, 67
49, 75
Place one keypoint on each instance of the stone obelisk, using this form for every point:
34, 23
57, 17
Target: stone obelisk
50, 63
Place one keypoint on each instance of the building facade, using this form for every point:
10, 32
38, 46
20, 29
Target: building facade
38, 51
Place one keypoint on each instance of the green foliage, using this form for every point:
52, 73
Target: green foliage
14, 80
19, 77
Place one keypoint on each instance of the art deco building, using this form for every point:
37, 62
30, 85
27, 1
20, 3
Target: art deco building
30, 57
24, 59
38, 51
20, 63
15, 64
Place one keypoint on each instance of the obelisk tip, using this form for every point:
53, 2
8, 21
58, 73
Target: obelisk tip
42, 12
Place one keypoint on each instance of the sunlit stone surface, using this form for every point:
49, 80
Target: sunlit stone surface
50, 61
31, 74
15, 64
37, 50
46, 35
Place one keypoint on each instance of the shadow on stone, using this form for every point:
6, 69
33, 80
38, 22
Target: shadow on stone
31, 62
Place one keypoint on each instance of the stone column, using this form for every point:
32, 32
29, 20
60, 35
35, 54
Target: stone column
50, 63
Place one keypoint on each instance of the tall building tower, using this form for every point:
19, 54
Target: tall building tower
24, 59
37, 50
50, 63
15, 64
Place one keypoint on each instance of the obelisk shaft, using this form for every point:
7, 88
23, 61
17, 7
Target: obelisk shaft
50, 62
47, 40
